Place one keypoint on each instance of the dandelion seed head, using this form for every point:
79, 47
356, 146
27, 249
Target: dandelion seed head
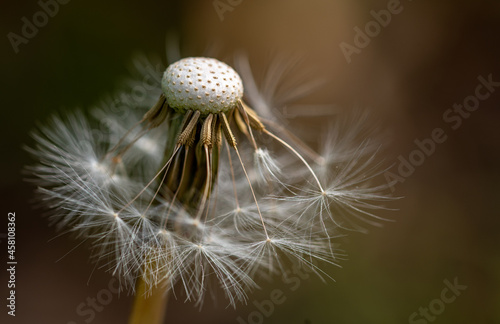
201, 186
203, 84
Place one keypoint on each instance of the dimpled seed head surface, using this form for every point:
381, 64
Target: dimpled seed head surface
204, 84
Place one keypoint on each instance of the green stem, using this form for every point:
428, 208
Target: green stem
150, 303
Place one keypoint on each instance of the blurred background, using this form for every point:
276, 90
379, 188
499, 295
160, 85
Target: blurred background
407, 73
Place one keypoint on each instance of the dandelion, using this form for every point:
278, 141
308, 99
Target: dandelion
197, 191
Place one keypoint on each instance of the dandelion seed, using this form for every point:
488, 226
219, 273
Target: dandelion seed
189, 196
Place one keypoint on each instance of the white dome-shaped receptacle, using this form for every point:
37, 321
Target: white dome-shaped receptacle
204, 84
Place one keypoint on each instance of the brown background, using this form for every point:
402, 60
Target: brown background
424, 61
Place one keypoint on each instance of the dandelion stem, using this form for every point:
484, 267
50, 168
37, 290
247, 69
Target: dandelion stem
150, 303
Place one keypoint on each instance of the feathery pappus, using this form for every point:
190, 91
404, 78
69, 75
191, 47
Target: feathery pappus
201, 183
